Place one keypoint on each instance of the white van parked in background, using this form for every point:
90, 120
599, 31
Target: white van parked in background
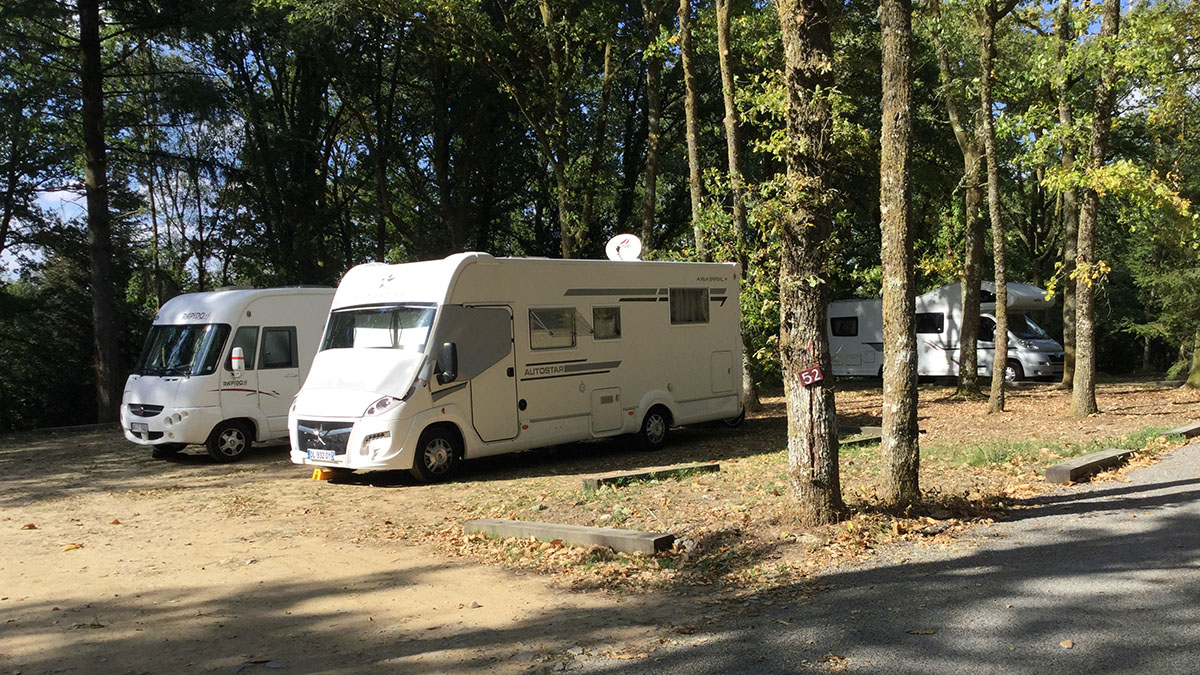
428, 363
221, 369
856, 334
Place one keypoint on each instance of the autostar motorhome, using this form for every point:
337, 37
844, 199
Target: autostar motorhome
424, 364
855, 332
221, 368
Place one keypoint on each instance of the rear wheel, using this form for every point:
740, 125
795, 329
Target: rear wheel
164, 450
437, 455
229, 441
656, 425
1013, 371
735, 422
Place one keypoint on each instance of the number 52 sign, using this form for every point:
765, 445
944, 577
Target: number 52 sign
811, 376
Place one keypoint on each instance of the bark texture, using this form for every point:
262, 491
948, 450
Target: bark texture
1070, 201
1083, 394
812, 420
1193, 379
687, 58
900, 446
95, 178
988, 17
733, 148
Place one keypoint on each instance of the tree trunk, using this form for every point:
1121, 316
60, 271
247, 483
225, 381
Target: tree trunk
900, 486
1070, 208
812, 418
1083, 394
653, 114
733, 147
686, 57
1193, 379
988, 17
968, 145
95, 177
599, 144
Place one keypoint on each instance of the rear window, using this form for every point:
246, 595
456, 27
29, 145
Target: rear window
844, 326
931, 322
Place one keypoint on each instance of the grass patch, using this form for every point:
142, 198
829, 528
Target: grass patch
1038, 452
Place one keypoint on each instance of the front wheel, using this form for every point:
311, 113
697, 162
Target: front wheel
655, 428
437, 456
1013, 371
229, 441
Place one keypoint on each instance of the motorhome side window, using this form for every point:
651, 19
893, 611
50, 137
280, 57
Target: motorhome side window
689, 305
279, 348
246, 337
931, 322
844, 326
552, 328
606, 323
987, 329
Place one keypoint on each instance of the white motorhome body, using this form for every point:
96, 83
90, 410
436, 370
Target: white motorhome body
855, 333
427, 363
185, 390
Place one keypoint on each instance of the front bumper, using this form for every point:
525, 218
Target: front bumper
172, 425
357, 443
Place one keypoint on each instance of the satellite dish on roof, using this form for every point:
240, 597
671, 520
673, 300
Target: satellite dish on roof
624, 247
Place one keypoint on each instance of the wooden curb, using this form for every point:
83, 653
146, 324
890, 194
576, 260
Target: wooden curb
1188, 431
625, 477
622, 541
1086, 465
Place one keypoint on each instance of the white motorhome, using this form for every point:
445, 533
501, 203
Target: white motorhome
221, 369
855, 332
428, 363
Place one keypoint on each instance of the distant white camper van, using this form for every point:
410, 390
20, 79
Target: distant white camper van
425, 364
856, 334
221, 368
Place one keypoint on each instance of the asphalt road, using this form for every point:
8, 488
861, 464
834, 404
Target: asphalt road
1112, 568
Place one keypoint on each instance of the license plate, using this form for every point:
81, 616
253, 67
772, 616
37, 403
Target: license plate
139, 427
321, 455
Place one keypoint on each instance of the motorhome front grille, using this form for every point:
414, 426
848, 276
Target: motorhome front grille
144, 410
324, 435
1055, 358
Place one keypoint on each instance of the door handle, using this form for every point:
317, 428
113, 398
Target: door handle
510, 372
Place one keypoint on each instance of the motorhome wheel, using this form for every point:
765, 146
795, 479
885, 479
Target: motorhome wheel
735, 422
1013, 371
229, 441
655, 427
437, 456
166, 450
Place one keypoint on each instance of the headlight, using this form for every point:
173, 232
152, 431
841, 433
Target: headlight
381, 406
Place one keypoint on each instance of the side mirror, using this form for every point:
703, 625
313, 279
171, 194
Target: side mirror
447, 365
238, 360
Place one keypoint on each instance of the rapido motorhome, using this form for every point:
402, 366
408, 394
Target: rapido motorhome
428, 363
190, 387
856, 334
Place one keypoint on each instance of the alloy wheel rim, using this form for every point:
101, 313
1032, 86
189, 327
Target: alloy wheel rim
437, 455
232, 443
656, 428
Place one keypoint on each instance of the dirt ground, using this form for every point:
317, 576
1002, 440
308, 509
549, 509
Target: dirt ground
115, 562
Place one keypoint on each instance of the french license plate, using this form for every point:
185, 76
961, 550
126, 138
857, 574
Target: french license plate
321, 455
139, 427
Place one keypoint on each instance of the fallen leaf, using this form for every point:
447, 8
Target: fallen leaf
29, 526
115, 522
72, 547
1066, 644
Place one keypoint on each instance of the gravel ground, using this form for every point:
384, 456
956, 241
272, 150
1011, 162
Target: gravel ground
1092, 578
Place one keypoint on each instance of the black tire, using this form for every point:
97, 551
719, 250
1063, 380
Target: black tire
656, 426
165, 450
437, 455
735, 422
1013, 371
229, 441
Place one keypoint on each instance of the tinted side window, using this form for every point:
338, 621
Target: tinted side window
606, 323
279, 348
552, 328
931, 322
844, 326
246, 337
689, 305
987, 329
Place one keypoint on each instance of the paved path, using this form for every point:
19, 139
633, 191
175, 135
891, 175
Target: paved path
1113, 567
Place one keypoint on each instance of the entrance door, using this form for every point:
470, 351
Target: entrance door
278, 375
494, 391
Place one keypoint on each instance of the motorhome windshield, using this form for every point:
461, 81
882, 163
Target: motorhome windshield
192, 349
1026, 328
391, 327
